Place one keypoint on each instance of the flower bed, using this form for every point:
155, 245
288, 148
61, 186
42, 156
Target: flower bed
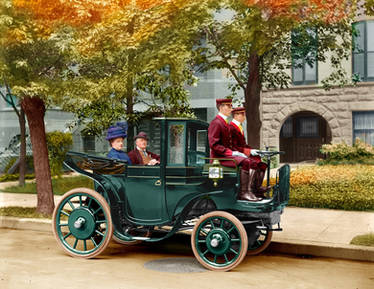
344, 187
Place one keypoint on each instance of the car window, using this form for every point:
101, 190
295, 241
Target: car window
176, 152
197, 146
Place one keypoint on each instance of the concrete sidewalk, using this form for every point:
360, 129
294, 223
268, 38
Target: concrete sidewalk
317, 232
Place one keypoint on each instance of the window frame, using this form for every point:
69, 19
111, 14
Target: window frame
365, 77
362, 130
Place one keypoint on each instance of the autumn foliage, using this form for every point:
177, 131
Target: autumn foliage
80, 12
327, 10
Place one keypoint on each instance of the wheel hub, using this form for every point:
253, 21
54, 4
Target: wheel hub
82, 223
218, 241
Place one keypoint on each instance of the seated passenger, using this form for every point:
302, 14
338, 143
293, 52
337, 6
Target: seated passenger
116, 135
140, 155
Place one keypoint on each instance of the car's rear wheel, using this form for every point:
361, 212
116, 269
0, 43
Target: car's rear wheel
258, 239
82, 223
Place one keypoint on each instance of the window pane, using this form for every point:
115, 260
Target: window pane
297, 74
363, 120
176, 145
363, 126
358, 41
358, 64
308, 127
88, 143
310, 72
370, 35
370, 63
201, 140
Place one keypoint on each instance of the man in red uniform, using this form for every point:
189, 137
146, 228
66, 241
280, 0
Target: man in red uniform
239, 144
220, 147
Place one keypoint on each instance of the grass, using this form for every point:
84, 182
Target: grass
364, 240
22, 212
60, 185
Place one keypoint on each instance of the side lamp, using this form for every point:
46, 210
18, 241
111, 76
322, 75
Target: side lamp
215, 172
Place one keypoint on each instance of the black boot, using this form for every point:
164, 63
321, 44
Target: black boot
246, 184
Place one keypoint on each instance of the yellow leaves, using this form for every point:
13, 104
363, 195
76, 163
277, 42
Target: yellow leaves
329, 173
327, 10
347, 187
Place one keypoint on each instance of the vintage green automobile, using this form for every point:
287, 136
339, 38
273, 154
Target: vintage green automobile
187, 191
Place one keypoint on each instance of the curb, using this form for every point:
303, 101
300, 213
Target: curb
40, 225
292, 247
319, 249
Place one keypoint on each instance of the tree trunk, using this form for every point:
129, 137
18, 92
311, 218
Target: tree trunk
129, 112
252, 95
22, 154
35, 110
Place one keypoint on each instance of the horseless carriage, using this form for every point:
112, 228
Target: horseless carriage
188, 190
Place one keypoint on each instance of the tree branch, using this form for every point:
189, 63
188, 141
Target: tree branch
10, 100
214, 39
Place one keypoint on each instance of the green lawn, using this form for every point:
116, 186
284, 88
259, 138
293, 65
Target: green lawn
364, 240
60, 185
21, 212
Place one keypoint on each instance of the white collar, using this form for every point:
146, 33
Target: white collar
139, 149
236, 122
223, 116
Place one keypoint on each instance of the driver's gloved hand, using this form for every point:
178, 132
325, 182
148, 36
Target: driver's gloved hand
238, 154
254, 152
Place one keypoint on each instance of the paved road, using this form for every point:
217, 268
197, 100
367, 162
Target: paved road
30, 259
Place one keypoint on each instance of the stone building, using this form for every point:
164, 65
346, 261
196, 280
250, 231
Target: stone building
300, 119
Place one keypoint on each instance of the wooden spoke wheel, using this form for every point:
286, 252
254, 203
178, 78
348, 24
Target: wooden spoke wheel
219, 241
82, 223
261, 240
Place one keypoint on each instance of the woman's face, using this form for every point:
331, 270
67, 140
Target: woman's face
117, 143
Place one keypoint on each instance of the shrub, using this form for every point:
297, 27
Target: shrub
359, 152
29, 164
345, 187
58, 145
15, 177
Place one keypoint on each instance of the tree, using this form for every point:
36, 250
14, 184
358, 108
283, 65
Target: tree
256, 46
33, 57
82, 46
8, 98
138, 56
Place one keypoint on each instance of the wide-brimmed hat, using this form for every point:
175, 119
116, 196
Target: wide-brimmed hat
118, 130
141, 134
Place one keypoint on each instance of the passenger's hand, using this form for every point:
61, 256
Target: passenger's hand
153, 162
254, 152
238, 154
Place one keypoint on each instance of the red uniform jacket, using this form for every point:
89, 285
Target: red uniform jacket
136, 158
238, 139
220, 142
239, 143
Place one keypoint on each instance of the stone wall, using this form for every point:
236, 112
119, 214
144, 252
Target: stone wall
335, 106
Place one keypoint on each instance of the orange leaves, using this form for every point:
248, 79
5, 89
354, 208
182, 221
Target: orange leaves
326, 10
80, 12
72, 12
